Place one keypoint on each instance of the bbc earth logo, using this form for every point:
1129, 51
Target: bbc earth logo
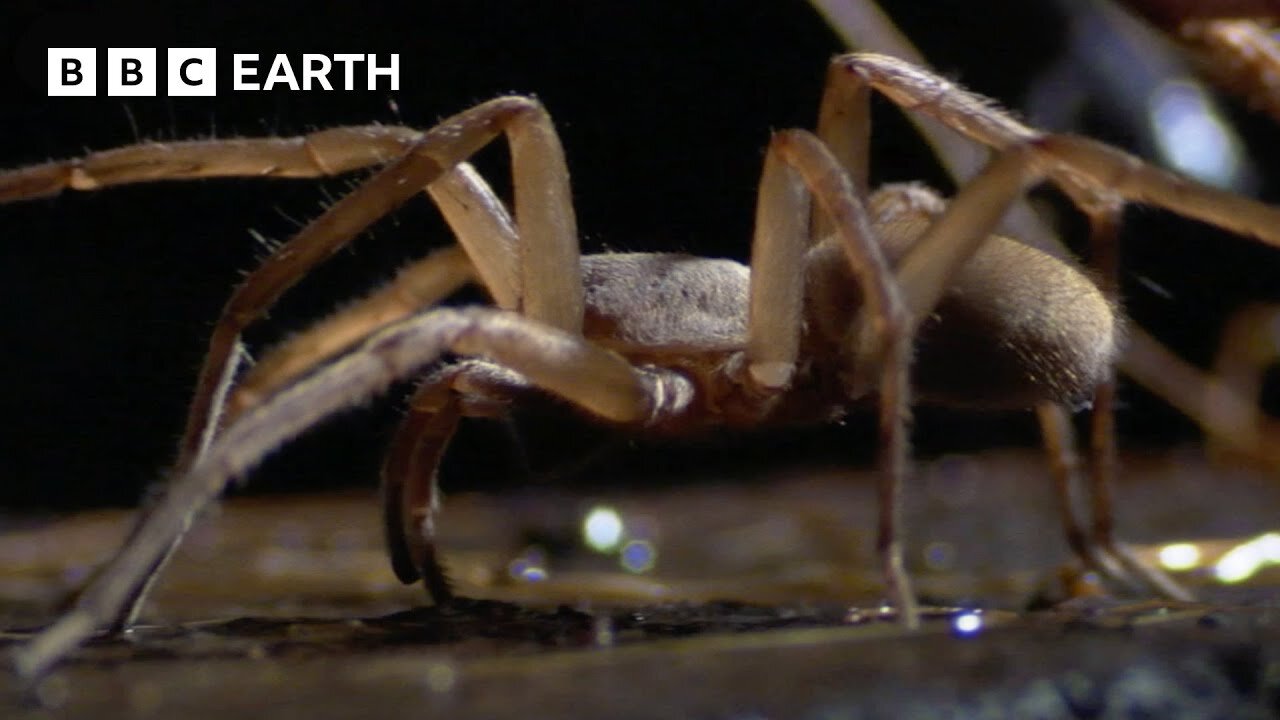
193, 72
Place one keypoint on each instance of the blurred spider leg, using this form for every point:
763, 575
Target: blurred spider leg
1240, 55
1250, 346
1233, 44
798, 161
410, 494
1229, 419
595, 379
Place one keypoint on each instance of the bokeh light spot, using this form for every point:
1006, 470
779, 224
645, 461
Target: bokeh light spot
602, 529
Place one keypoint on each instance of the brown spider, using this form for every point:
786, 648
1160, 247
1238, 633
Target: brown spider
828, 314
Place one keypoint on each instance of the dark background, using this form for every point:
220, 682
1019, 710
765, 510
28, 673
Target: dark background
663, 107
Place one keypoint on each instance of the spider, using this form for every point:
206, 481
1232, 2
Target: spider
845, 287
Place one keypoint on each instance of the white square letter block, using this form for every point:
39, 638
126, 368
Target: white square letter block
193, 72
73, 72
131, 72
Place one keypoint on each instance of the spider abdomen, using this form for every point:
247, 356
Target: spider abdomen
1017, 327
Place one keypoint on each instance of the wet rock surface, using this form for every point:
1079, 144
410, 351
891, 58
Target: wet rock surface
722, 660
759, 602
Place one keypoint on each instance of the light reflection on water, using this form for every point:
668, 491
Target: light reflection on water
967, 623
1245, 560
529, 566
